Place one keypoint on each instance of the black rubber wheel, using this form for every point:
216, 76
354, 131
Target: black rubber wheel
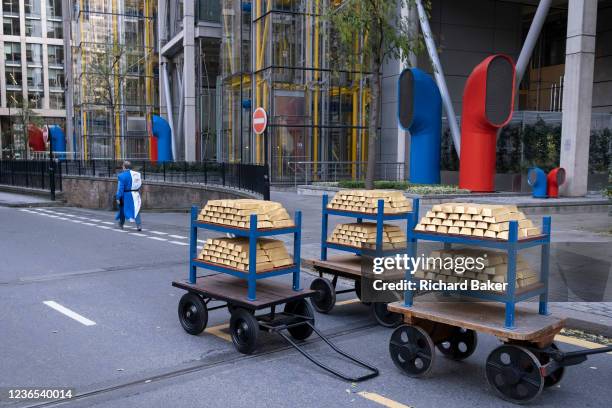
244, 329
412, 350
383, 316
232, 308
554, 377
325, 298
192, 313
358, 292
303, 308
460, 345
514, 373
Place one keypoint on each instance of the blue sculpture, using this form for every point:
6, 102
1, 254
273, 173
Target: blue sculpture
161, 130
420, 113
536, 178
58, 141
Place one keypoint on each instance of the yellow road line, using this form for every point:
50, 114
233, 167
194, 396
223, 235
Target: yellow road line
379, 399
220, 331
347, 302
578, 342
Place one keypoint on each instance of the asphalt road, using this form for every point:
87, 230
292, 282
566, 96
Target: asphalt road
136, 353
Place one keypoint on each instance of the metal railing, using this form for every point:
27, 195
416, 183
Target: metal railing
308, 172
47, 174
37, 174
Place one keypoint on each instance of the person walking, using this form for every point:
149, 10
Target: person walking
128, 196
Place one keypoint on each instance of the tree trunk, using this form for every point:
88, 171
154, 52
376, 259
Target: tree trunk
373, 126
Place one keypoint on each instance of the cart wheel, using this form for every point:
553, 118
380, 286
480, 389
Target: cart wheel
514, 372
232, 308
358, 291
412, 350
302, 308
460, 345
554, 377
244, 329
383, 316
193, 313
325, 298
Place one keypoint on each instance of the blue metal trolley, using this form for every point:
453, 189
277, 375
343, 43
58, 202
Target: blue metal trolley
239, 293
350, 267
252, 234
512, 295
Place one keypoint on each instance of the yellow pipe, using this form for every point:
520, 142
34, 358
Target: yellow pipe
148, 68
230, 57
116, 83
315, 132
83, 88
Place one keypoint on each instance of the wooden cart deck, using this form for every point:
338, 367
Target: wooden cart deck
346, 266
234, 290
485, 317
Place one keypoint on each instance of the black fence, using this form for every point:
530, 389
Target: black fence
47, 175
37, 174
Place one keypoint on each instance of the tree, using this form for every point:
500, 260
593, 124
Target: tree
26, 116
386, 34
105, 77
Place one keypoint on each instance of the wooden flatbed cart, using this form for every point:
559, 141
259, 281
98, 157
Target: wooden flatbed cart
347, 267
295, 322
518, 370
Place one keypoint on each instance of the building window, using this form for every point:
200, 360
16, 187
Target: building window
35, 79
56, 100
12, 53
12, 75
33, 27
54, 9
14, 98
54, 29
10, 26
35, 100
34, 54
56, 79
56, 55
32, 8
10, 7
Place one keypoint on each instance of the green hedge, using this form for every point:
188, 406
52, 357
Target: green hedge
520, 147
403, 185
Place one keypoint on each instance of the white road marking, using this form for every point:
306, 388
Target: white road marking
117, 230
103, 227
88, 223
65, 311
178, 236
178, 243
77, 221
201, 241
158, 238
137, 234
107, 222
159, 233
95, 220
62, 218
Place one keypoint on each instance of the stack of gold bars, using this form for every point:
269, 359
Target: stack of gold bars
495, 267
237, 213
234, 253
366, 201
479, 220
358, 234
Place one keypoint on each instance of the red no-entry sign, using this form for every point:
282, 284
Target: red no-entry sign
260, 121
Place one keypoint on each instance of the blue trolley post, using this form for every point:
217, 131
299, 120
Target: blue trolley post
512, 295
252, 233
349, 266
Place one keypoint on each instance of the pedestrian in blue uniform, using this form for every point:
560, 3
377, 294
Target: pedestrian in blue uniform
128, 196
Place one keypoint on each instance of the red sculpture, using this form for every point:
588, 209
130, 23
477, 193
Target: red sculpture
35, 139
555, 178
488, 101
